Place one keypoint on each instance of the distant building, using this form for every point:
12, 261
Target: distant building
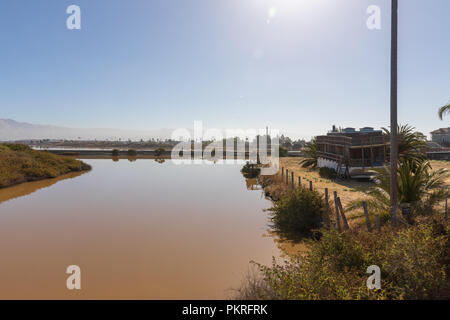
433, 145
441, 136
350, 152
439, 147
442, 154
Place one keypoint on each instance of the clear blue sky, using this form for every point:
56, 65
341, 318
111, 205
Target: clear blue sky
147, 64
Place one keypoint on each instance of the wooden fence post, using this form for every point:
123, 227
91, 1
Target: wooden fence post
299, 181
344, 219
310, 185
366, 214
377, 222
446, 208
327, 209
338, 219
292, 179
282, 171
287, 176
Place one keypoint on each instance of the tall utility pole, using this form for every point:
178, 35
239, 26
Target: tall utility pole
394, 141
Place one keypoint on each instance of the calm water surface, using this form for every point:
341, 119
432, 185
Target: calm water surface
138, 230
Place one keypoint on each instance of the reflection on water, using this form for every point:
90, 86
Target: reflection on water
140, 230
288, 247
30, 187
132, 159
252, 184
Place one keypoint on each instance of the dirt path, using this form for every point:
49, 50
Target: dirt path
347, 190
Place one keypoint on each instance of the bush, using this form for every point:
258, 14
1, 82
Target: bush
159, 152
250, 170
132, 152
297, 213
283, 152
116, 152
18, 147
327, 173
19, 163
414, 264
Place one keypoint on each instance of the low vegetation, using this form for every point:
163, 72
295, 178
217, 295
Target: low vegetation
414, 263
283, 152
19, 163
298, 213
132, 152
159, 152
250, 170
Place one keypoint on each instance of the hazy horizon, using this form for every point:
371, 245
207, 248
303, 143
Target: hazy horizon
87, 133
11, 129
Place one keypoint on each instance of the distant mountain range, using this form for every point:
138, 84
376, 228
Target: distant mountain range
12, 130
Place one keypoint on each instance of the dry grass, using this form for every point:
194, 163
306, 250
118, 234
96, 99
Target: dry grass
347, 190
441, 165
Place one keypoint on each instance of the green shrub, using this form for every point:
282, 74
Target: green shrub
327, 173
18, 147
340, 251
116, 152
414, 264
132, 152
298, 212
159, 152
250, 170
283, 152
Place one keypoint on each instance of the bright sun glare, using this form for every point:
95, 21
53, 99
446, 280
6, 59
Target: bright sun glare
283, 7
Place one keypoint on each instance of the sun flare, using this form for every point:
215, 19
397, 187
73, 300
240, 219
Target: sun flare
280, 8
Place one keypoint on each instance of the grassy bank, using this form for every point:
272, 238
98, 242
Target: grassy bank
19, 163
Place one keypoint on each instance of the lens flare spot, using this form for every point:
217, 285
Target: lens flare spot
272, 12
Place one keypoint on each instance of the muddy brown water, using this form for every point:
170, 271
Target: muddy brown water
138, 230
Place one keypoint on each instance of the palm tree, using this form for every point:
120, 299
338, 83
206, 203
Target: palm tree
443, 110
311, 154
420, 188
410, 143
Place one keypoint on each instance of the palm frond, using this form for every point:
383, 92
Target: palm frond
411, 143
311, 155
443, 110
422, 188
